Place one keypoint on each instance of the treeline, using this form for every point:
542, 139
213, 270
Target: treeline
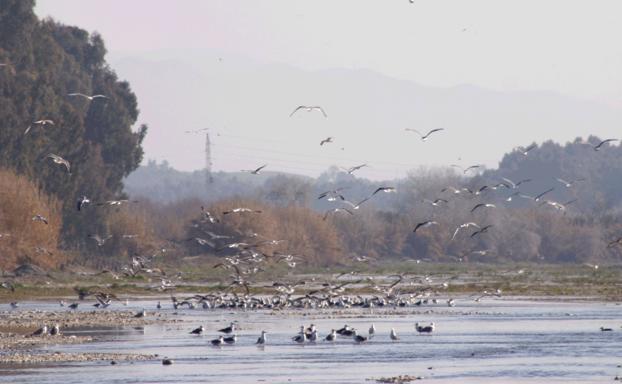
43, 62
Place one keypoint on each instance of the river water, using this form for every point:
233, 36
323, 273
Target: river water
494, 341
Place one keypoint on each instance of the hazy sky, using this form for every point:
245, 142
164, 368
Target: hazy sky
566, 46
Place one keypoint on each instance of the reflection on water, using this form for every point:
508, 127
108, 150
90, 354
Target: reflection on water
493, 341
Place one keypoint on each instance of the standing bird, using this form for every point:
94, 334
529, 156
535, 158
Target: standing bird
301, 337
59, 160
372, 330
309, 109
424, 328
90, 98
262, 339
55, 331
332, 336
228, 330
425, 137
230, 339
141, 314
393, 335
424, 225
358, 338
197, 331
218, 342
41, 331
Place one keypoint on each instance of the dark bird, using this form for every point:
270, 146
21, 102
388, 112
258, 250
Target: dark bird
467, 169
262, 339
599, 145
326, 141
424, 224
355, 168
228, 329
425, 137
218, 342
537, 198
385, 190
41, 331
483, 230
255, 171
524, 150
424, 328
615, 242
197, 331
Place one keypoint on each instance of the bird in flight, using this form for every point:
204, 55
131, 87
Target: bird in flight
385, 190
326, 141
425, 137
615, 242
40, 218
82, 202
41, 122
90, 98
424, 224
482, 205
355, 168
537, 198
465, 225
524, 151
467, 169
480, 231
514, 185
256, 170
240, 210
336, 210
100, 240
569, 184
599, 145
309, 109
59, 160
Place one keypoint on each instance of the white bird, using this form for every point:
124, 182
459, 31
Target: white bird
240, 210
514, 185
569, 184
335, 210
256, 170
100, 240
425, 137
59, 160
424, 224
90, 98
82, 202
463, 226
372, 331
482, 205
262, 339
40, 218
355, 168
301, 337
309, 109
467, 169
41, 122
393, 335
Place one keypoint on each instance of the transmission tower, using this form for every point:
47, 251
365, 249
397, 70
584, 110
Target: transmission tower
208, 160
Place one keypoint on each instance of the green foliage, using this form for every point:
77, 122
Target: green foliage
47, 61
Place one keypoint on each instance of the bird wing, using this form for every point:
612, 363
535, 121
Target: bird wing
543, 193
78, 94
260, 168
296, 110
321, 110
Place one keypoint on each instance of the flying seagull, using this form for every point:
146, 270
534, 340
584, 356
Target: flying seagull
59, 160
514, 185
351, 170
326, 141
569, 184
482, 205
462, 226
537, 198
256, 170
87, 96
467, 169
424, 224
40, 218
524, 151
425, 137
240, 210
335, 210
597, 147
615, 242
42, 122
100, 240
385, 190
82, 202
482, 230
309, 109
